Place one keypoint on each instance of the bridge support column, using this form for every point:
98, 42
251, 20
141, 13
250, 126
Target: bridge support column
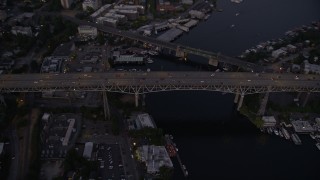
136, 99
236, 98
143, 100
180, 53
306, 99
2, 101
213, 62
240, 101
106, 106
263, 104
299, 94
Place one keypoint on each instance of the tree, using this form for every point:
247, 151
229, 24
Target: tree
100, 38
165, 172
34, 66
55, 5
90, 10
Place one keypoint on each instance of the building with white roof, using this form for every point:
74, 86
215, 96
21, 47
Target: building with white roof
128, 59
130, 14
88, 31
100, 11
310, 68
107, 21
52, 64
302, 126
138, 8
118, 17
269, 121
88, 150
21, 30
196, 14
154, 157
94, 4
66, 138
144, 120
45, 117
66, 3
278, 53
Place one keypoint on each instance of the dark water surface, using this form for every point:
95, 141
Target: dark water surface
214, 141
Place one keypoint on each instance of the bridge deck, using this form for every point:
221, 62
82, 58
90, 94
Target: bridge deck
143, 82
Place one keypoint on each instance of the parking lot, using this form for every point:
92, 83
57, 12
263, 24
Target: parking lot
110, 162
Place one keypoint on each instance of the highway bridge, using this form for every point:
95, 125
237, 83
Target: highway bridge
147, 82
180, 49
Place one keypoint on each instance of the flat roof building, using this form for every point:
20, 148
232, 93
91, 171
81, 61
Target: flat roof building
138, 8
144, 120
88, 150
66, 138
302, 126
107, 21
154, 157
269, 121
21, 30
66, 3
94, 4
128, 59
196, 14
45, 117
52, 64
278, 53
310, 68
100, 11
88, 31
130, 14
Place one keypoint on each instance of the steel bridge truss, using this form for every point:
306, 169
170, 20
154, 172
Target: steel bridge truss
143, 89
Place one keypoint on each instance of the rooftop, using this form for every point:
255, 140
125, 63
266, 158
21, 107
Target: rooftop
302, 126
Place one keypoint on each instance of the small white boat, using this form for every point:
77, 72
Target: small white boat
312, 136
232, 26
149, 61
281, 134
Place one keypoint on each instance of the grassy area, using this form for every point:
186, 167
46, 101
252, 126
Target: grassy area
152, 135
250, 107
311, 107
256, 120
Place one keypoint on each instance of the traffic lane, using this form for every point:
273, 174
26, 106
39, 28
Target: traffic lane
156, 74
303, 82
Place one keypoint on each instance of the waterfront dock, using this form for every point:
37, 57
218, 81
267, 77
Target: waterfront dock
172, 150
183, 167
296, 139
170, 35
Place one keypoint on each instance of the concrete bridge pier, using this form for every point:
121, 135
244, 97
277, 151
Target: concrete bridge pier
2, 101
299, 94
306, 99
240, 101
213, 62
180, 53
136, 99
143, 99
236, 98
106, 108
263, 104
